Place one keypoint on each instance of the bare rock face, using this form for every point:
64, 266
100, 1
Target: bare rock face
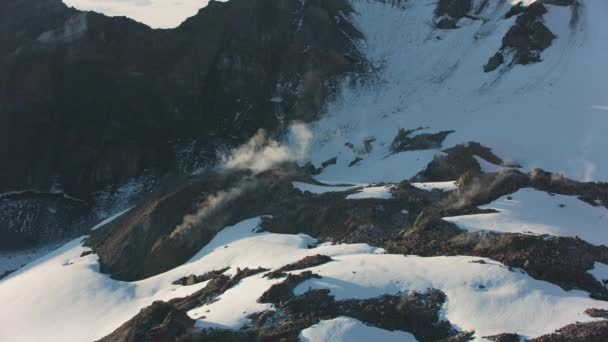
90, 101
448, 12
526, 39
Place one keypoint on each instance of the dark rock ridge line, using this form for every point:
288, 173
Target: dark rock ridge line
89, 101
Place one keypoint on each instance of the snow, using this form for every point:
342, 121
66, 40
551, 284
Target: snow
441, 186
600, 272
382, 192
537, 212
10, 261
351, 330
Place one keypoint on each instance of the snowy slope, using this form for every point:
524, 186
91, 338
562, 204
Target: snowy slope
551, 115
65, 297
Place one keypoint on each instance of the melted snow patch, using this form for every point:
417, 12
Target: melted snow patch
351, 330
537, 212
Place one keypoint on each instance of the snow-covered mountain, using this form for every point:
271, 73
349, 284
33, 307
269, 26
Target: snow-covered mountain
447, 183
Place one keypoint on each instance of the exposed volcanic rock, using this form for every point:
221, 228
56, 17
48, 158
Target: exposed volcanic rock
194, 279
159, 322
526, 39
31, 218
306, 262
283, 291
90, 101
448, 12
458, 160
597, 313
596, 331
405, 142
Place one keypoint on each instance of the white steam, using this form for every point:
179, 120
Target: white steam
261, 153
210, 205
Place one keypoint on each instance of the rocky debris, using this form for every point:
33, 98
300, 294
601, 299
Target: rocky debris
458, 160
426, 141
194, 279
596, 331
144, 92
30, 219
597, 313
160, 321
214, 288
448, 12
526, 39
506, 337
306, 262
283, 291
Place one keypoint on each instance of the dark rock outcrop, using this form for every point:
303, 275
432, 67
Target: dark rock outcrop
403, 141
194, 279
526, 39
448, 12
306, 262
159, 322
458, 160
218, 285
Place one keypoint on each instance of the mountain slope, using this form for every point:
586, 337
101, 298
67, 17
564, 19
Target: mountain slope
421, 216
